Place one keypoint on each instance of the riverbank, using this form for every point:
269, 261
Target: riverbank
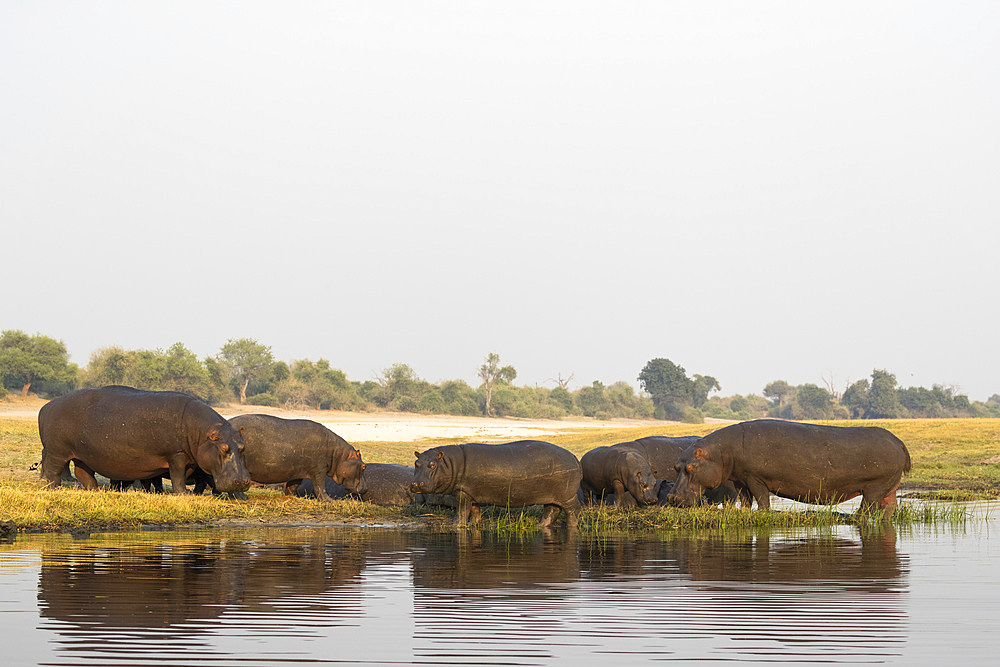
953, 459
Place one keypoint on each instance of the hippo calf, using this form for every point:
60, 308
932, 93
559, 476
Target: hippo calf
804, 462
385, 484
624, 472
515, 474
125, 434
288, 450
662, 453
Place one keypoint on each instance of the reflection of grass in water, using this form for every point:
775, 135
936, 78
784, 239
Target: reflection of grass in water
606, 518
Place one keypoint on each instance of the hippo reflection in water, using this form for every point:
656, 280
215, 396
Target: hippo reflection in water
173, 582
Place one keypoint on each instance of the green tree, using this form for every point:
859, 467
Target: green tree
883, 399
814, 402
593, 402
183, 372
778, 390
29, 359
244, 360
702, 386
669, 386
855, 399
492, 373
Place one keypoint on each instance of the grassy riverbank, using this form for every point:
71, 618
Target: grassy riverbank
952, 459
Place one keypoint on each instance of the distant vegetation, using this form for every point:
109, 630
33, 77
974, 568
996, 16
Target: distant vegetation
245, 370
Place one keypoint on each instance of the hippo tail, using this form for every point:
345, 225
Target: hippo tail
906, 466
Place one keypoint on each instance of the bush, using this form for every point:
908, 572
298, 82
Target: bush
265, 399
431, 402
693, 416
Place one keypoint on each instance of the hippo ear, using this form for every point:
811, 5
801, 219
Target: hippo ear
363, 466
690, 468
354, 455
699, 453
440, 455
241, 431
416, 453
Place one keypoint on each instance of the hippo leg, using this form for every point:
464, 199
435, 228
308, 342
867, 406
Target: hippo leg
743, 494
121, 484
318, 478
52, 470
178, 474
468, 513
873, 499
572, 508
85, 475
549, 516
152, 484
760, 492
292, 485
622, 496
889, 501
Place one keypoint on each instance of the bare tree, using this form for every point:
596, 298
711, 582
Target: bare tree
561, 381
831, 387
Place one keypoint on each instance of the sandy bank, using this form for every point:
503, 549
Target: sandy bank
390, 426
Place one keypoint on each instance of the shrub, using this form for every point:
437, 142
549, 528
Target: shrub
693, 416
266, 399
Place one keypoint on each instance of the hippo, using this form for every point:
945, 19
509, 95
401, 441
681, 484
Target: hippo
804, 462
662, 453
125, 434
385, 484
514, 474
624, 472
287, 450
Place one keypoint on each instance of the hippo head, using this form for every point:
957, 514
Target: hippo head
640, 480
220, 454
349, 473
431, 472
695, 473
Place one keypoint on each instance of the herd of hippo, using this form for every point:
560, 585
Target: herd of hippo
129, 435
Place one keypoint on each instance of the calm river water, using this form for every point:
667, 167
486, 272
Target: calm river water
927, 595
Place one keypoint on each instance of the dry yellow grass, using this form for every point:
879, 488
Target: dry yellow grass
958, 455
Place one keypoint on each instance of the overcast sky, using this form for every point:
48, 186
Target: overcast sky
756, 191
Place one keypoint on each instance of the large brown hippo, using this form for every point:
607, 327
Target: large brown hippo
288, 450
125, 433
623, 472
662, 453
515, 474
803, 462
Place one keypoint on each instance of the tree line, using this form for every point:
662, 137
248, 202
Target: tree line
245, 370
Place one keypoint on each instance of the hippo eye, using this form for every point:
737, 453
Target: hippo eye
431, 464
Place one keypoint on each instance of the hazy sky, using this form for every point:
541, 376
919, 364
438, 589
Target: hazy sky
756, 191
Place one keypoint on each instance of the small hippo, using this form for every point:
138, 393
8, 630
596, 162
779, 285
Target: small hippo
662, 453
804, 462
515, 474
288, 450
623, 472
385, 484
